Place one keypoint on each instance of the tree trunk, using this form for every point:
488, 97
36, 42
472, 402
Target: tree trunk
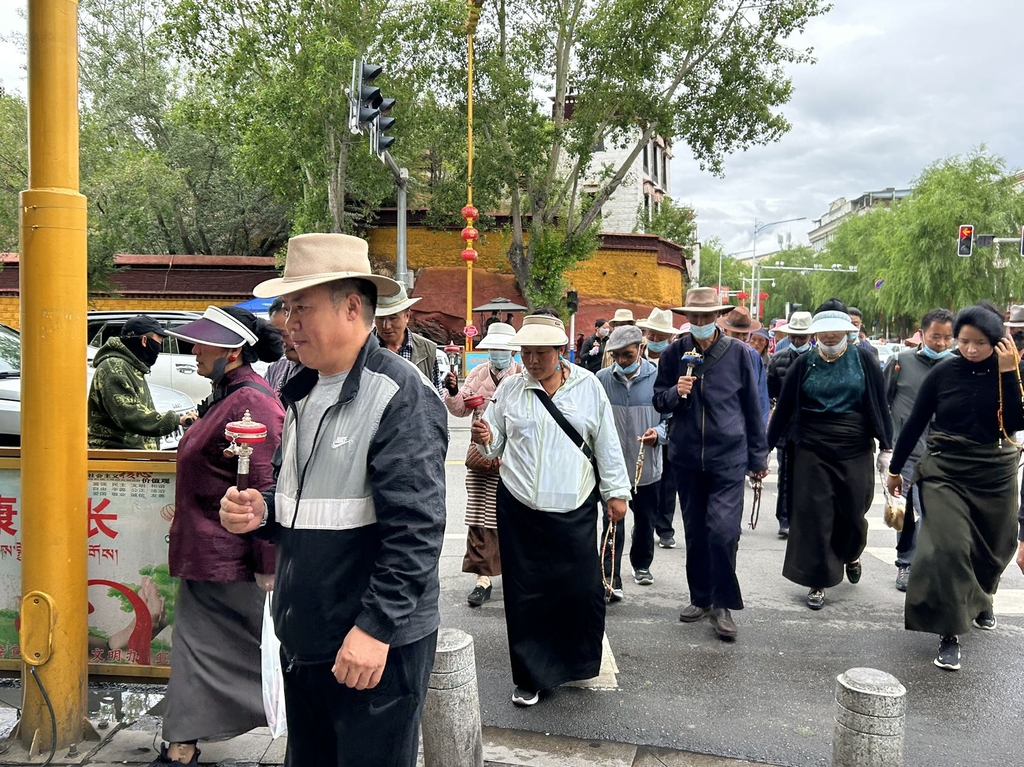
337, 158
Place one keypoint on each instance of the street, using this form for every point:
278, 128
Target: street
768, 696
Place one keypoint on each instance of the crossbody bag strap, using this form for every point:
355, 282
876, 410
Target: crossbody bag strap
714, 355
568, 428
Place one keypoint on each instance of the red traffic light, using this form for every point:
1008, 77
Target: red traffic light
965, 245
966, 232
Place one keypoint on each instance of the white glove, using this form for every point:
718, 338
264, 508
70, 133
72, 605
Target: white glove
882, 462
594, 350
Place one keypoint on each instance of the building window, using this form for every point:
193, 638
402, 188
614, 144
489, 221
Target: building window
647, 168
599, 146
664, 171
654, 168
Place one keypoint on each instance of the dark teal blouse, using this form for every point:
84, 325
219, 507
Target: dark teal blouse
834, 387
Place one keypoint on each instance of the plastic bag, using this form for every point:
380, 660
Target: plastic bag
895, 511
273, 677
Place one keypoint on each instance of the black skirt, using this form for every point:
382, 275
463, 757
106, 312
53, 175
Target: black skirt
831, 485
554, 599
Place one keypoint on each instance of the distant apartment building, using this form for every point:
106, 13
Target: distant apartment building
640, 194
842, 209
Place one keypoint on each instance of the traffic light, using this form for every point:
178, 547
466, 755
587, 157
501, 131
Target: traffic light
572, 300
364, 98
966, 245
379, 140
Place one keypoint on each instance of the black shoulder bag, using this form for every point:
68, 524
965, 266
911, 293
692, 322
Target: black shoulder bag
570, 430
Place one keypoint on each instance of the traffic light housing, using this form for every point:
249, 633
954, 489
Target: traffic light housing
965, 246
572, 300
379, 140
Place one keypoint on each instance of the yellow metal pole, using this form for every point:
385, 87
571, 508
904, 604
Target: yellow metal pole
54, 480
469, 189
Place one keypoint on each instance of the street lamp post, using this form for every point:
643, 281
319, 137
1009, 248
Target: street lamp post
755, 275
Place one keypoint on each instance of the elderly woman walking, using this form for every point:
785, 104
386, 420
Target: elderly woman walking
966, 481
483, 558
832, 408
215, 687
552, 426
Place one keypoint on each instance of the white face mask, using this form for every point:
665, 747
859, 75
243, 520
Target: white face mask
831, 351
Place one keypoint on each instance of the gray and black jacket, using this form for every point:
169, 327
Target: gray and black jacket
632, 401
359, 528
904, 373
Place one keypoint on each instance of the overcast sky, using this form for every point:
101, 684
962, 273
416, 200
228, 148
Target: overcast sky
898, 84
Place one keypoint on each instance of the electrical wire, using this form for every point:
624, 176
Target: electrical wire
53, 717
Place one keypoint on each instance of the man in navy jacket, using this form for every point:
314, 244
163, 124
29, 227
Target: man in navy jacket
716, 437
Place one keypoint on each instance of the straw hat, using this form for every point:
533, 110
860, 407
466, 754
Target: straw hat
622, 316
739, 320
216, 328
831, 321
799, 324
499, 337
394, 304
660, 321
1016, 317
541, 330
702, 301
314, 259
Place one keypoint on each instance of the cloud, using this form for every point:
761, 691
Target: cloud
896, 87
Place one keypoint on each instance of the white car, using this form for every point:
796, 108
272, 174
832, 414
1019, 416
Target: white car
164, 399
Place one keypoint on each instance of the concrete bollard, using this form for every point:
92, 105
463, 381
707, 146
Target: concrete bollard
871, 707
451, 716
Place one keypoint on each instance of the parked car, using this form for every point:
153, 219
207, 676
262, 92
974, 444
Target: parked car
164, 398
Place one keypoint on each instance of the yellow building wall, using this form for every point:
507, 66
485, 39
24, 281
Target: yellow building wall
10, 310
627, 275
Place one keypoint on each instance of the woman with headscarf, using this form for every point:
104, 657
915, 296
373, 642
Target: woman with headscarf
832, 408
966, 481
552, 426
482, 556
215, 689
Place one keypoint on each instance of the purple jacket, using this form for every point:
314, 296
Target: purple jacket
202, 550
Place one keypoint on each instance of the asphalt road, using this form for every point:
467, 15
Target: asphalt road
769, 695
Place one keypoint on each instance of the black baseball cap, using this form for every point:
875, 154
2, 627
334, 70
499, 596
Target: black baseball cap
140, 325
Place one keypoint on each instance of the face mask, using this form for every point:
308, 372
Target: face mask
702, 332
146, 354
932, 354
604, 332
854, 336
657, 346
628, 370
500, 360
831, 351
803, 348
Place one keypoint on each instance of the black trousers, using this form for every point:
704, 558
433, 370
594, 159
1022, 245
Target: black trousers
644, 505
781, 508
712, 506
666, 499
331, 725
906, 539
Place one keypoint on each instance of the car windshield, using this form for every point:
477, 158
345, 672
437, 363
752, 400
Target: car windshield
10, 351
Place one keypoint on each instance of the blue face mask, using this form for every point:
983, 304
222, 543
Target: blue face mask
657, 346
854, 336
803, 348
932, 354
702, 332
628, 370
500, 360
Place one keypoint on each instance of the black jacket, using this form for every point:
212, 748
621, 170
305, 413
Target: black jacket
786, 417
588, 361
720, 426
359, 527
778, 366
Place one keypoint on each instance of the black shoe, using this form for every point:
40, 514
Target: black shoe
986, 620
163, 758
902, 577
724, 625
784, 531
853, 572
524, 698
642, 576
693, 613
949, 654
667, 542
816, 599
478, 596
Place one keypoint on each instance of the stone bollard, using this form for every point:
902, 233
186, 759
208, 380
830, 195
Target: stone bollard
870, 709
451, 716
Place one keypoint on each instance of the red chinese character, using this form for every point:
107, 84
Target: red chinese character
3, 651
161, 659
98, 520
7, 515
131, 656
98, 655
15, 651
114, 655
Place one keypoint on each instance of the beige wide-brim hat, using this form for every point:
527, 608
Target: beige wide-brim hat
314, 259
799, 324
541, 330
660, 321
622, 315
739, 320
499, 337
702, 301
1016, 317
394, 304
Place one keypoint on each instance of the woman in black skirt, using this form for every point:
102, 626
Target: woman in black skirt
548, 509
833, 406
966, 481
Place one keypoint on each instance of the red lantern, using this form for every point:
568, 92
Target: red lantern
743, 295
470, 213
469, 234
469, 255
764, 296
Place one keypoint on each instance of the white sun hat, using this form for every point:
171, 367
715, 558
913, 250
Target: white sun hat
499, 337
541, 330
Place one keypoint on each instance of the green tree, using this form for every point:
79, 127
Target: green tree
675, 223
784, 286
13, 166
712, 252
